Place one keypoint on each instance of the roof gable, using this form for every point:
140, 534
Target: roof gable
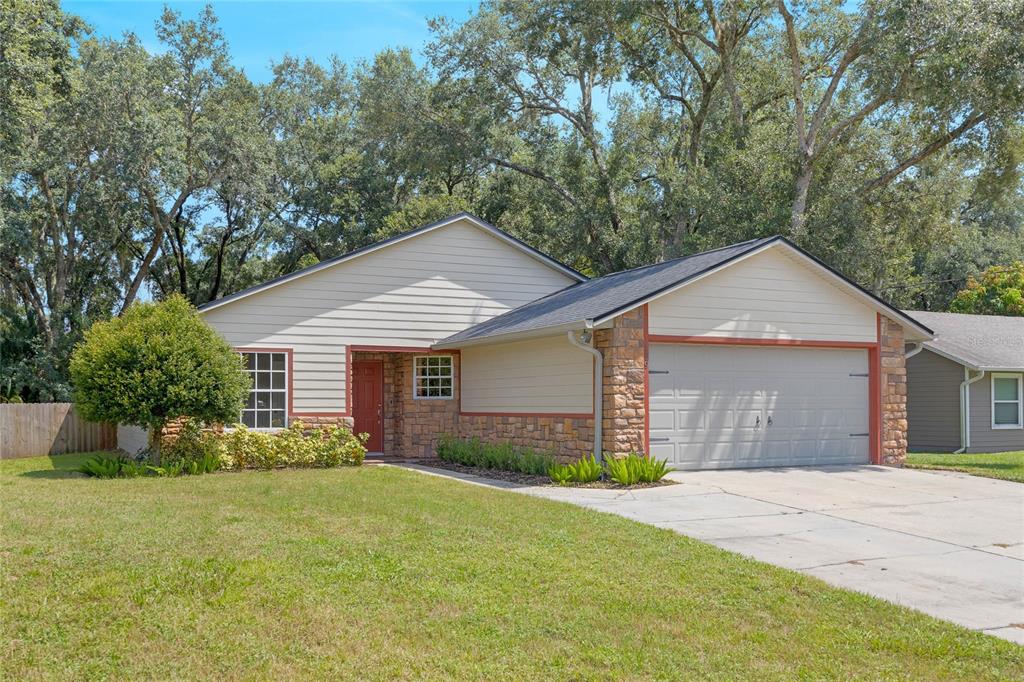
597, 301
463, 218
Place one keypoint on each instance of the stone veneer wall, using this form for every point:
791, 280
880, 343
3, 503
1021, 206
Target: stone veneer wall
625, 369
893, 385
419, 423
568, 438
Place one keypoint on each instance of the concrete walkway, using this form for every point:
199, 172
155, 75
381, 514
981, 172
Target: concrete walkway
950, 545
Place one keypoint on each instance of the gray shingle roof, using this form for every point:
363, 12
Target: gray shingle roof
989, 342
598, 298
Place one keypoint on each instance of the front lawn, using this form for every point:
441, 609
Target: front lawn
378, 572
1005, 465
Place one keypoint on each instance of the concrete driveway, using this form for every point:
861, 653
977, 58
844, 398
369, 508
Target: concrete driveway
950, 545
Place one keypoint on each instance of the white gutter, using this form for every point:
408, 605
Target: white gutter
917, 348
965, 408
588, 345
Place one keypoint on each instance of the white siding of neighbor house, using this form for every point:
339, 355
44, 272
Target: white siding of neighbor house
546, 375
131, 439
933, 402
983, 437
411, 294
770, 295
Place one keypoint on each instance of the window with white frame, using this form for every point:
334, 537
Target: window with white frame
265, 408
1007, 412
433, 376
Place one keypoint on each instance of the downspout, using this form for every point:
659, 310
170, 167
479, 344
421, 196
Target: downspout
587, 344
965, 409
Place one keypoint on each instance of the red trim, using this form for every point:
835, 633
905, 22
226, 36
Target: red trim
730, 341
874, 370
556, 415
397, 349
291, 375
647, 381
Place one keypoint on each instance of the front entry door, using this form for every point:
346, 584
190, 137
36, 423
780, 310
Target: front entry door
368, 401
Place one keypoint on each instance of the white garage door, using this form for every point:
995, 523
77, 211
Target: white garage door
718, 407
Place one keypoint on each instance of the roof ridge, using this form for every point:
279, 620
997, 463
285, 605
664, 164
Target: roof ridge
692, 255
479, 222
945, 312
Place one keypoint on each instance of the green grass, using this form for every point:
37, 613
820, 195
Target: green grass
383, 573
1005, 465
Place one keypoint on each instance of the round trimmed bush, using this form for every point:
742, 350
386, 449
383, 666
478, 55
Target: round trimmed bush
154, 364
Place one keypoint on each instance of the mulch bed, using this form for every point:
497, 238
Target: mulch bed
531, 479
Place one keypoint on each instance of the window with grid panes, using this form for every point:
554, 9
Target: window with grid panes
266, 406
433, 376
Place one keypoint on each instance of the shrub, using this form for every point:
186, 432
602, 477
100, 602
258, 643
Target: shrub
338, 446
652, 470
503, 456
194, 451
245, 449
560, 474
111, 466
328, 447
624, 470
634, 468
155, 363
585, 470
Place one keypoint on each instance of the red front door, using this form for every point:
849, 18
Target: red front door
368, 401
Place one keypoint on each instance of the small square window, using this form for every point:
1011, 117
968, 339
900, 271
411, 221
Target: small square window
433, 376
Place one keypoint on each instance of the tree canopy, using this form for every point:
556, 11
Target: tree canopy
886, 137
999, 290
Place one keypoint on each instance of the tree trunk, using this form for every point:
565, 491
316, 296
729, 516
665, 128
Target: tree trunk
803, 185
155, 442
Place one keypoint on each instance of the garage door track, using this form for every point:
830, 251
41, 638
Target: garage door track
950, 545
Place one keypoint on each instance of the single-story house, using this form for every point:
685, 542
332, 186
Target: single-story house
756, 354
965, 388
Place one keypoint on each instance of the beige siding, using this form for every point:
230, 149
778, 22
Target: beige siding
933, 402
983, 437
770, 295
546, 375
410, 294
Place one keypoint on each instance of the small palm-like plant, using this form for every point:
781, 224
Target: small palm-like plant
624, 470
635, 468
107, 466
560, 474
585, 470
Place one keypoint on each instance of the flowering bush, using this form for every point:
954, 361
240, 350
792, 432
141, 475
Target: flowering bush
330, 446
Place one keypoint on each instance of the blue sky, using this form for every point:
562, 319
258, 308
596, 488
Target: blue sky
259, 33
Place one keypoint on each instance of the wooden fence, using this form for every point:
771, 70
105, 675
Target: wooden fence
36, 429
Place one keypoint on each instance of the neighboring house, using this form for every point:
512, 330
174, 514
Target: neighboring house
973, 367
752, 355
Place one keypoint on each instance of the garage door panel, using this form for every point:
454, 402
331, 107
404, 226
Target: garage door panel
720, 399
662, 420
689, 420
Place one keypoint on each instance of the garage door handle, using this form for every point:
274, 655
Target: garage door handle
859, 434
858, 374
660, 440
657, 371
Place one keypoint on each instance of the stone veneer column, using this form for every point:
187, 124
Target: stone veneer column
625, 371
893, 385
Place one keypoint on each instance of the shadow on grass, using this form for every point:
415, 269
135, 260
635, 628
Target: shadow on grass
61, 466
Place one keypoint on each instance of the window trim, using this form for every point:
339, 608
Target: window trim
286, 391
415, 377
1019, 401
